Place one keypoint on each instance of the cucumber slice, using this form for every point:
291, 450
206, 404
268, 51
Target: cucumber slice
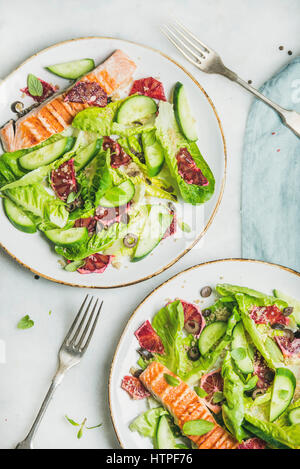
118, 195
292, 302
210, 335
294, 416
136, 109
157, 223
164, 436
47, 154
86, 154
153, 152
183, 115
282, 393
18, 218
239, 342
67, 237
72, 70
274, 351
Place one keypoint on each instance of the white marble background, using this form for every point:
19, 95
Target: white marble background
247, 33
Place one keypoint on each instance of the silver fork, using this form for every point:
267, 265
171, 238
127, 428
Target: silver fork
72, 350
209, 61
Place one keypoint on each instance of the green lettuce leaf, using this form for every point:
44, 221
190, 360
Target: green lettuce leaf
172, 140
233, 390
98, 242
38, 204
146, 423
168, 323
287, 435
96, 119
102, 180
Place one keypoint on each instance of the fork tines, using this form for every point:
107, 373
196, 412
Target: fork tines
84, 324
182, 39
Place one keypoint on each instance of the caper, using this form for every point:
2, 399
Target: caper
17, 107
205, 292
277, 325
192, 327
130, 240
269, 375
206, 312
193, 353
145, 354
288, 311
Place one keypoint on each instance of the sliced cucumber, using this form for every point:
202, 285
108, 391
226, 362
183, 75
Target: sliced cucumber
136, 109
18, 218
118, 195
292, 302
67, 237
239, 343
47, 154
157, 223
184, 118
72, 70
164, 436
153, 152
210, 335
294, 416
282, 393
274, 351
86, 154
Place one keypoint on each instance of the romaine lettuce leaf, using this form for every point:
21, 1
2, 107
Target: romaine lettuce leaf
172, 140
102, 179
233, 390
96, 119
287, 435
98, 242
146, 423
38, 204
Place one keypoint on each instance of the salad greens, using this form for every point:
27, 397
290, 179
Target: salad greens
25, 323
242, 359
104, 174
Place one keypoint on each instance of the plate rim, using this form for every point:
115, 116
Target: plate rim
218, 202
132, 316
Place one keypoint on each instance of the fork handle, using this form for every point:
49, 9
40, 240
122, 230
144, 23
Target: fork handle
27, 442
290, 119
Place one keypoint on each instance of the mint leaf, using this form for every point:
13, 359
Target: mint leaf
200, 391
34, 85
25, 323
197, 427
96, 426
72, 422
171, 380
218, 397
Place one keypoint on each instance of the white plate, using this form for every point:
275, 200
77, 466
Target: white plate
185, 285
32, 251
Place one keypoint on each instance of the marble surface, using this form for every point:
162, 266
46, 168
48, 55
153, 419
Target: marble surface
247, 34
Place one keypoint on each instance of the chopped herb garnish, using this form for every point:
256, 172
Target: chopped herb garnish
25, 323
171, 380
197, 427
82, 426
185, 227
34, 85
200, 391
218, 397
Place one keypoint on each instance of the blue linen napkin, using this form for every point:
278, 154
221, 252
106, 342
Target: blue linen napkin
271, 176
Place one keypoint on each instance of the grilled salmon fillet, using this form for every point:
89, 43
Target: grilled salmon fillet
54, 115
184, 405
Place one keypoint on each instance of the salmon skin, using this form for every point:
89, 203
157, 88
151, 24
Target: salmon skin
55, 114
184, 405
